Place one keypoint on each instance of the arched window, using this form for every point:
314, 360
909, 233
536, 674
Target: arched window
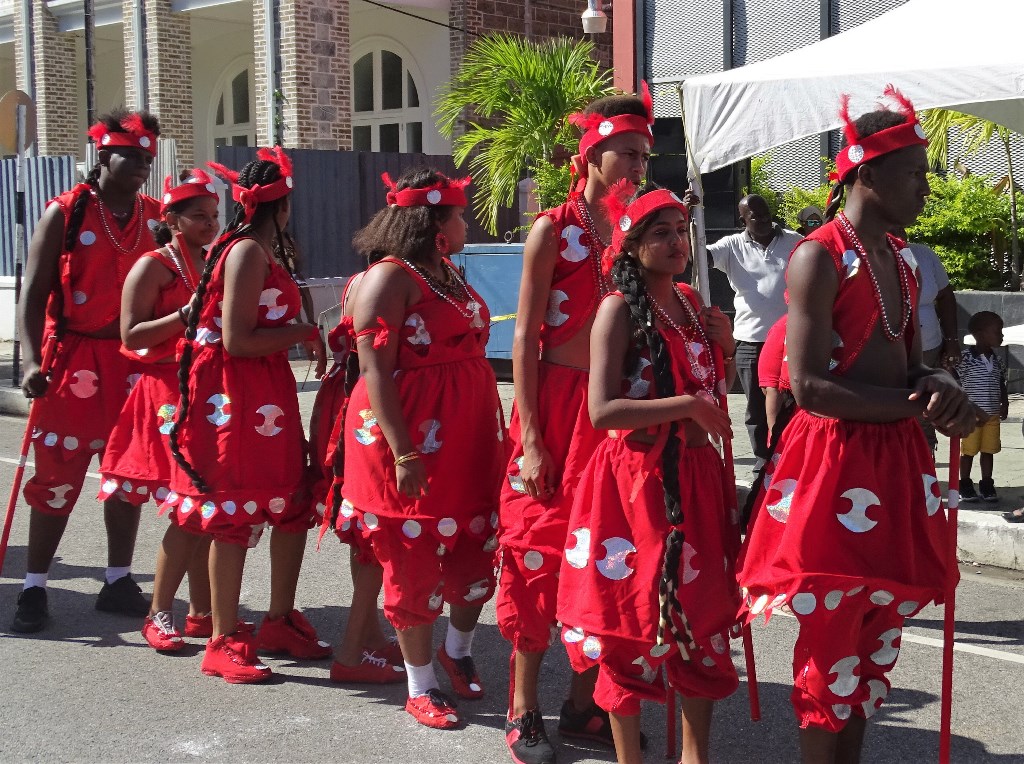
386, 110
233, 111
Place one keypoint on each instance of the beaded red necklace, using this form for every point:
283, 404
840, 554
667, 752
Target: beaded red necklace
708, 382
893, 335
595, 245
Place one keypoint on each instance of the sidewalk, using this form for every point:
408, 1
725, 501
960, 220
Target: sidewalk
984, 536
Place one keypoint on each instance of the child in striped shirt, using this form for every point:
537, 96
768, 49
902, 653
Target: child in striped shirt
982, 375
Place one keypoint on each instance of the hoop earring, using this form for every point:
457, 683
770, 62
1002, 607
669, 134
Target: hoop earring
441, 243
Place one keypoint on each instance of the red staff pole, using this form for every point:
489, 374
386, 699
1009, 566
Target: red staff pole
949, 609
48, 355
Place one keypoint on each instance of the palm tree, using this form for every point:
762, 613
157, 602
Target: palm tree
512, 96
977, 133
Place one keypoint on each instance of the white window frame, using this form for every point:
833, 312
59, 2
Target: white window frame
374, 119
230, 129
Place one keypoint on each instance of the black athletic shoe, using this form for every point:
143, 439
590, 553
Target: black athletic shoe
527, 741
32, 614
592, 725
967, 492
987, 489
123, 596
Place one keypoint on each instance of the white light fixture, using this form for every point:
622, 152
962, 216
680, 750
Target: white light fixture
595, 20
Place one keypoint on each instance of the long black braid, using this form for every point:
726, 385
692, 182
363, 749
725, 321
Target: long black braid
259, 172
628, 278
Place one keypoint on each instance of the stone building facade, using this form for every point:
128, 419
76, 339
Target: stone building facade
317, 74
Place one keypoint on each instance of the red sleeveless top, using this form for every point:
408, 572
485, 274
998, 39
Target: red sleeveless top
171, 297
578, 283
92, 274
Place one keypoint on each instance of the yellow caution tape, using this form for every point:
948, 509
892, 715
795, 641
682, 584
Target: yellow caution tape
506, 317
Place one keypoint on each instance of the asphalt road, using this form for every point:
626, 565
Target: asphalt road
89, 689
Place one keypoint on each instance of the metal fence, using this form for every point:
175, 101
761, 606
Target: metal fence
338, 192
45, 178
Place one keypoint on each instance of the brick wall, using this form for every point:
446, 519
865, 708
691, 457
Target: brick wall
21, 38
56, 84
260, 73
316, 79
169, 71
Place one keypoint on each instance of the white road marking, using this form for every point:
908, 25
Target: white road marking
16, 462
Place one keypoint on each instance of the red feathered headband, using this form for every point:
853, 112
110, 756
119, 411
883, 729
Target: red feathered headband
438, 195
135, 135
625, 216
860, 150
597, 128
250, 198
199, 184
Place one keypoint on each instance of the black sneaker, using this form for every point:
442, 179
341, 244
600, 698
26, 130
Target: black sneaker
123, 596
967, 492
987, 489
592, 725
32, 614
527, 741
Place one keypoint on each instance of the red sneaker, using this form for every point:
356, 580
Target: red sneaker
392, 652
199, 626
159, 631
462, 673
372, 669
292, 635
434, 709
233, 657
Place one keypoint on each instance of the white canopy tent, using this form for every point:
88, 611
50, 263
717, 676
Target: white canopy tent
939, 53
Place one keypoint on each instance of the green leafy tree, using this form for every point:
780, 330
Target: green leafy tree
966, 222
796, 198
513, 96
761, 182
977, 133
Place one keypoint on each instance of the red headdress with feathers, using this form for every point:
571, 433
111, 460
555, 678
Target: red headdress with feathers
250, 198
625, 215
197, 184
448, 193
860, 150
134, 134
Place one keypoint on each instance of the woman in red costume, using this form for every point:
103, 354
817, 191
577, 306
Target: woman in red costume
642, 583
237, 436
425, 441
848, 530
137, 464
85, 244
364, 654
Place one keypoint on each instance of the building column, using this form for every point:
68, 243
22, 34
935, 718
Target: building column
310, 105
23, 64
56, 86
169, 74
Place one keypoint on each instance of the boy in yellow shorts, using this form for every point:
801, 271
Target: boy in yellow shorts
982, 375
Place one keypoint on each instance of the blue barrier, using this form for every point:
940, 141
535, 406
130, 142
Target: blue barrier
494, 271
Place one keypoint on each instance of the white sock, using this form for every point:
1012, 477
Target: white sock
458, 644
115, 574
35, 579
421, 679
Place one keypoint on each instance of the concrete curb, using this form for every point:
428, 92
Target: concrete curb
987, 539
13, 402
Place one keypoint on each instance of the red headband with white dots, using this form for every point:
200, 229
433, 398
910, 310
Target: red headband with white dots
451, 192
250, 198
197, 184
625, 216
134, 134
859, 150
598, 128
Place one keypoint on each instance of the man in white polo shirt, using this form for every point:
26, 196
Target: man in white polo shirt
755, 261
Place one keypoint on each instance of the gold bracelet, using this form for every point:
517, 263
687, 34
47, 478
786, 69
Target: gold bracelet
409, 457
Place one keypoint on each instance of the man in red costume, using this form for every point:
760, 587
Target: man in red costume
551, 433
85, 244
848, 530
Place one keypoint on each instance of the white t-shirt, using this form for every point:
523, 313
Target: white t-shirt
758, 276
933, 280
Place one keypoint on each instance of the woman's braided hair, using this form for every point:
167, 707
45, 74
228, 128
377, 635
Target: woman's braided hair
257, 172
629, 280
867, 124
112, 121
